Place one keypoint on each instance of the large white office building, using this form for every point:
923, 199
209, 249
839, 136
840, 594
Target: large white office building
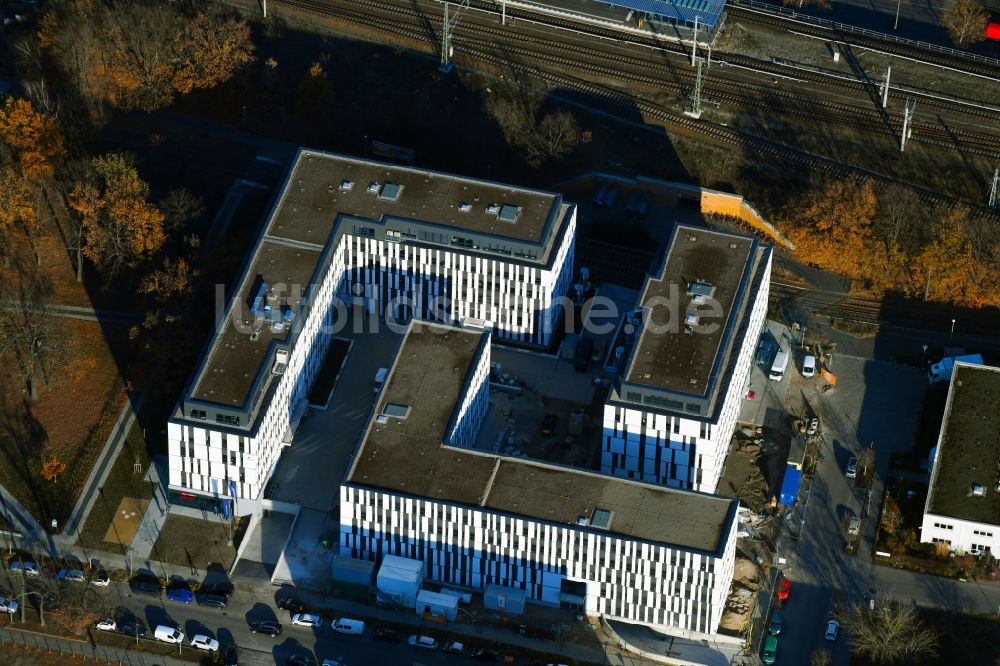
963, 504
670, 417
348, 234
582, 540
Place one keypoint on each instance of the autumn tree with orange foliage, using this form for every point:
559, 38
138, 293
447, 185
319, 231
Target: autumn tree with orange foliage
835, 230
141, 55
121, 228
52, 467
950, 266
33, 138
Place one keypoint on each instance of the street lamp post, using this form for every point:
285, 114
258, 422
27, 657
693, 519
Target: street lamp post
895, 24
923, 358
131, 551
952, 332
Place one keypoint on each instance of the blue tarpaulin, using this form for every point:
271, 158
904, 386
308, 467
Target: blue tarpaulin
790, 486
677, 11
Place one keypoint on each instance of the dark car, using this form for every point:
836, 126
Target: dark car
291, 604
301, 660
265, 627
482, 654
132, 628
221, 590
232, 655
50, 601
388, 636
549, 424
211, 600
147, 586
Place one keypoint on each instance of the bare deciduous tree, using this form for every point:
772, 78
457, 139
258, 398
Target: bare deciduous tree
966, 22
820, 657
180, 207
29, 339
516, 111
891, 632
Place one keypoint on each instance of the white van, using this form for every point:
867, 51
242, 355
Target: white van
168, 634
779, 365
346, 625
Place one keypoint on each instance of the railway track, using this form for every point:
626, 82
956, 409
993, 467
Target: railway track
891, 310
864, 42
481, 40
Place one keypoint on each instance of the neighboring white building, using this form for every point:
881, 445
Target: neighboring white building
963, 504
670, 417
348, 232
587, 541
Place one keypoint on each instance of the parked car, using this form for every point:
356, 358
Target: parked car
813, 427
291, 604
784, 589
300, 660
74, 575
107, 624
549, 422
211, 600
832, 629
203, 642
775, 627
268, 627
425, 642
132, 628
28, 568
771, 650
451, 647
852, 468
147, 586
231, 657
220, 590
306, 620
8, 605
388, 636
854, 526
101, 579
482, 654
50, 601
345, 625
808, 366
166, 634
180, 595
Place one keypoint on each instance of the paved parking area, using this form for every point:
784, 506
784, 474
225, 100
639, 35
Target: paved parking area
874, 402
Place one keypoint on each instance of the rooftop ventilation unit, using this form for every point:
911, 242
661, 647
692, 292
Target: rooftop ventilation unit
691, 320
583, 521
509, 213
346, 185
601, 518
492, 209
978, 490
280, 362
390, 191
396, 411
700, 289
465, 207
373, 187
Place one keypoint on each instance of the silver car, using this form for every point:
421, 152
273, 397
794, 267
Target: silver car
852, 468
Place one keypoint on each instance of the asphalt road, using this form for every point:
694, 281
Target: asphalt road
231, 625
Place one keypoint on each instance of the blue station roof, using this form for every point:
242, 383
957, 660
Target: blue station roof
678, 11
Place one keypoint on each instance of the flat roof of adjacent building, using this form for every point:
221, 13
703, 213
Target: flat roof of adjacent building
304, 222
235, 358
968, 450
410, 457
673, 358
317, 192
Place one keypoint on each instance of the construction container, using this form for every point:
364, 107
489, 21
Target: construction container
505, 599
400, 579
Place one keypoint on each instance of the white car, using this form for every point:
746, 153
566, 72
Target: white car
8, 605
832, 628
74, 575
101, 579
203, 642
29, 568
809, 366
306, 620
106, 624
425, 642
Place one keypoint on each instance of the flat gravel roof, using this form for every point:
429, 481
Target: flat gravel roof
409, 456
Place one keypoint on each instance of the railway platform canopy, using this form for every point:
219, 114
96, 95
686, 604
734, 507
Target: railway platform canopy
676, 12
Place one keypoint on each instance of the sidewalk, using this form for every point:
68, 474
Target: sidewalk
152, 520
